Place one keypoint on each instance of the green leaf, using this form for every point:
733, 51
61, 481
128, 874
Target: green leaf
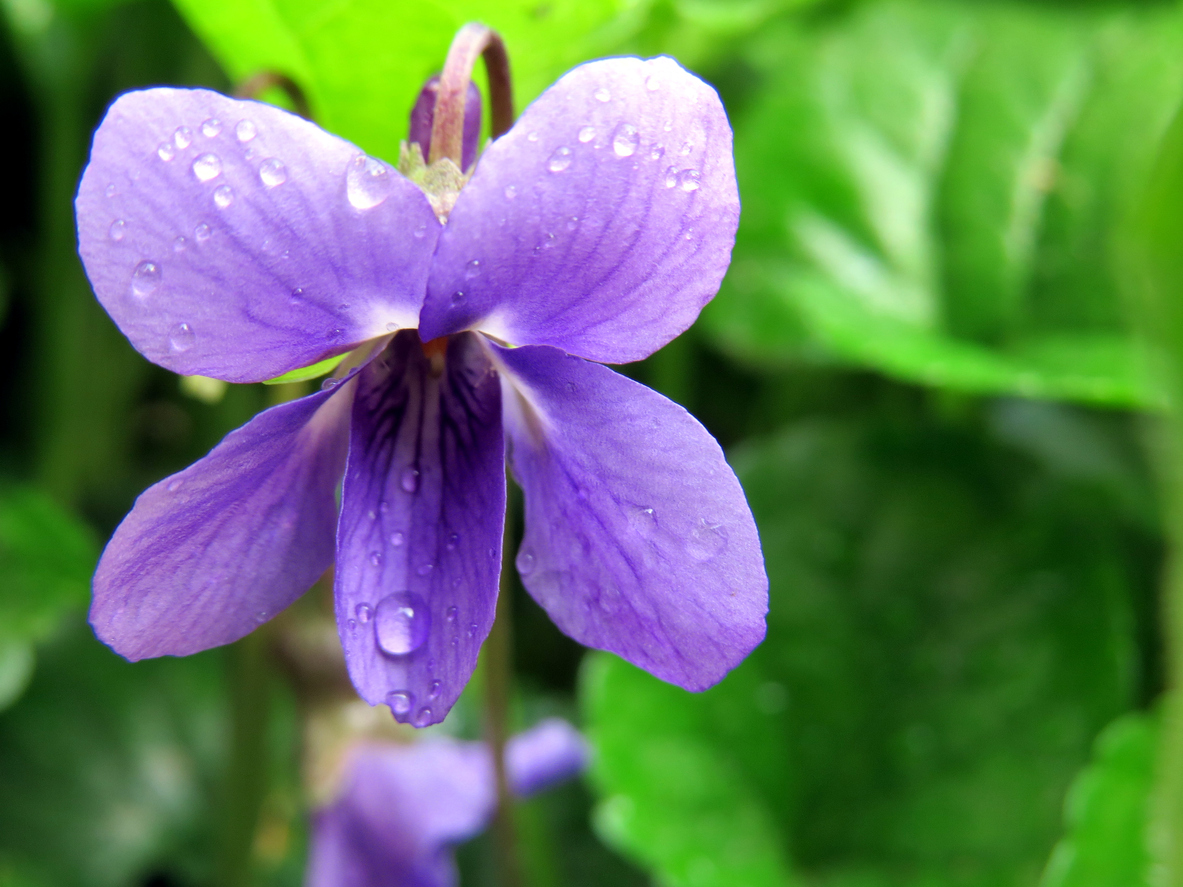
1107, 811
933, 190
950, 626
311, 372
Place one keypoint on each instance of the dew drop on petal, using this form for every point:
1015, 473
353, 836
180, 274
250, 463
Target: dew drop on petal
511, 192
272, 172
423, 718
211, 128
224, 196
573, 223
145, 279
376, 557
245, 130
433, 692
671, 177
657, 153
181, 338
206, 167
401, 623
410, 480
706, 541
367, 182
117, 230
472, 269
202, 232
363, 612
111, 191
174, 485
531, 136
688, 179
687, 147
420, 231
602, 94
586, 134
180, 244
652, 83
401, 702
643, 520
397, 539
453, 541
450, 614
183, 137
525, 562
560, 159
166, 151
425, 569
391, 327
329, 384
625, 140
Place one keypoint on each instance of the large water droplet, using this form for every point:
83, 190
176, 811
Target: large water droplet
117, 230
587, 133
166, 151
525, 562
401, 623
145, 279
689, 179
671, 177
423, 718
202, 232
367, 182
625, 140
560, 159
181, 338
410, 480
183, 137
272, 172
401, 702
245, 130
511, 191
224, 196
364, 612
397, 539
207, 166
602, 94
211, 128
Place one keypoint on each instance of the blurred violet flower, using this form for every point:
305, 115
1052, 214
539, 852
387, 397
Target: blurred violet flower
231, 239
401, 808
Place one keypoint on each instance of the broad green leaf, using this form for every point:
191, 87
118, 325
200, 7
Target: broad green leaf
933, 190
950, 626
363, 62
1108, 810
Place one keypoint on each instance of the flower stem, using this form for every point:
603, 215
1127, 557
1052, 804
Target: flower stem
447, 127
498, 668
257, 84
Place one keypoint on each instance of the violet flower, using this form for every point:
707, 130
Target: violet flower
401, 808
231, 239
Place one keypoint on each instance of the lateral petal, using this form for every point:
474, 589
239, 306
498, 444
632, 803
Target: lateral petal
638, 537
207, 555
232, 239
419, 540
601, 223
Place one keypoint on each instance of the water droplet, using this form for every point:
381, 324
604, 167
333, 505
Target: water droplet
669, 125
181, 338
434, 691
687, 147
401, 702
180, 244
272, 172
401, 623
202, 232
297, 295
511, 192
165, 151
206, 167
145, 279
224, 196
383, 506
391, 327
364, 612
329, 384
174, 485
409, 480
453, 541
397, 539
367, 182
652, 83
602, 94
423, 718
657, 153
450, 614
472, 269
211, 128
572, 223
183, 137
352, 623
458, 298
471, 629
425, 569
117, 230
560, 159
525, 562
420, 232
111, 192
671, 177
531, 137
586, 134
643, 520
245, 130
688, 179
625, 140
706, 540
375, 556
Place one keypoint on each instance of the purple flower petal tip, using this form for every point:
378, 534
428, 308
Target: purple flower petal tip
549, 753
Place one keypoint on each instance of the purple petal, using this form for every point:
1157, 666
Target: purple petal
225, 237
638, 537
208, 554
423, 116
419, 540
548, 753
600, 224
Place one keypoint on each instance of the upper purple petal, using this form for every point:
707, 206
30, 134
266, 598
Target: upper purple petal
208, 554
419, 540
232, 239
423, 116
600, 224
638, 537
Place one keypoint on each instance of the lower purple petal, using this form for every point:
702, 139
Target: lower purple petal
419, 540
208, 554
638, 537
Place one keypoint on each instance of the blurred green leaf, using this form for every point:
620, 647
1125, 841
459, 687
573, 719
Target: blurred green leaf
950, 626
932, 190
363, 62
1107, 811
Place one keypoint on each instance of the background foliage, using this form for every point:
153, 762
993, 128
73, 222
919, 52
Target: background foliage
928, 365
